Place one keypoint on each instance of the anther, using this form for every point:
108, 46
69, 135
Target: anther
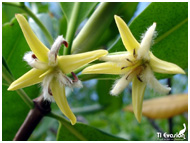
124, 67
139, 78
134, 53
129, 60
127, 77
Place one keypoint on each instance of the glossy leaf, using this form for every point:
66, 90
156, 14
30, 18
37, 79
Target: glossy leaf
84, 132
85, 9
14, 109
49, 22
163, 107
8, 12
90, 34
126, 9
172, 39
111, 103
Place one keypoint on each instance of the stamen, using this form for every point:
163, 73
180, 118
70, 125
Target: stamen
134, 53
138, 77
63, 79
127, 76
76, 82
124, 67
129, 60
131, 72
75, 77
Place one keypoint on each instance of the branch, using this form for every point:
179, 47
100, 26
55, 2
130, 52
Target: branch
170, 122
41, 108
153, 123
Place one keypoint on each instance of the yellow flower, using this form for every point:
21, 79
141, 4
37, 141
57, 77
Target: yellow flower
51, 69
136, 65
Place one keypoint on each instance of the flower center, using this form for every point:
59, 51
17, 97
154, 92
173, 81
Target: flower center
135, 67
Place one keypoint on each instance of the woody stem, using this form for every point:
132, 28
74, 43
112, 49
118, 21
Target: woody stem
41, 108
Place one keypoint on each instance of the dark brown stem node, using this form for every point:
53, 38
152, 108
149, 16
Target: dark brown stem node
41, 108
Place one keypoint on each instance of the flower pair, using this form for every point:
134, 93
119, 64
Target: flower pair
136, 65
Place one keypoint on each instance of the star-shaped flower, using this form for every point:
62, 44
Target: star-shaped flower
136, 66
51, 69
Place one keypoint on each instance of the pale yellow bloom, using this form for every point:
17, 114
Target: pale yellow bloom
51, 69
136, 66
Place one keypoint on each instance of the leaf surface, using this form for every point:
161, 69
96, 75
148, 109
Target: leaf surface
84, 132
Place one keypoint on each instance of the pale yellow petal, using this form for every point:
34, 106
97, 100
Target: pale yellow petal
118, 57
161, 66
121, 84
37, 47
104, 68
29, 78
58, 92
70, 63
127, 37
143, 52
138, 89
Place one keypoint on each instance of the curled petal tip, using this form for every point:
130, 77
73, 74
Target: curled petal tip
66, 44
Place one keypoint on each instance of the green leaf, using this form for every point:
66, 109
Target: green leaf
171, 43
63, 26
8, 12
111, 103
84, 132
85, 9
5, 65
14, 110
88, 37
49, 22
126, 9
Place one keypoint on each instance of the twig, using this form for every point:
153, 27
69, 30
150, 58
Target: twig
41, 108
153, 123
170, 122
